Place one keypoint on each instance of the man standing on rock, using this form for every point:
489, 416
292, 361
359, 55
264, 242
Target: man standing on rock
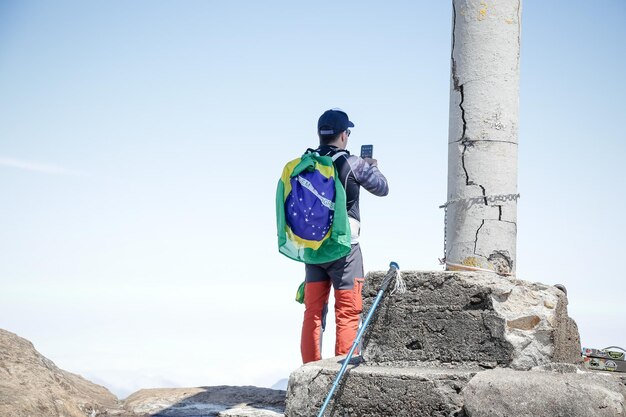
346, 274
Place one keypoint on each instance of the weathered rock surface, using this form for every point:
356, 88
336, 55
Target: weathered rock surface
375, 391
220, 401
471, 318
33, 386
506, 392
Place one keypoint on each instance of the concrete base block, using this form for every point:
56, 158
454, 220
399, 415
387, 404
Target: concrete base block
422, 350
374, 391
469, 318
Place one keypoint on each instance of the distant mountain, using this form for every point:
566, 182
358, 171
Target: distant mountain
244, 401
32, 385
281, 384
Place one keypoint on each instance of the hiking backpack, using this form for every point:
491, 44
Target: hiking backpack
311, 213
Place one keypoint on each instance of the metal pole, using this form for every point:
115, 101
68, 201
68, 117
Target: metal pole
393, 267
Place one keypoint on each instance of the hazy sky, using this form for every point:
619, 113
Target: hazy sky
141, 143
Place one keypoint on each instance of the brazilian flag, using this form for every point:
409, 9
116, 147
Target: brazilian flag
311, 213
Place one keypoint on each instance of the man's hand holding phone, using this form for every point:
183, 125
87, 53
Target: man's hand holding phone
367, 151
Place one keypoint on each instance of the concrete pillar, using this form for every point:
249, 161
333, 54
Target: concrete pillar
481, 211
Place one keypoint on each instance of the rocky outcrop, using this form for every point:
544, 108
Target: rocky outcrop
506, 392
31, 385
461, 344
220, 401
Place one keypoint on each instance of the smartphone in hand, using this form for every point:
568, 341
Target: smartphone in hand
367, 151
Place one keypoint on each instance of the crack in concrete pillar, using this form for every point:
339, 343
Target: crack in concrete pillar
477, 232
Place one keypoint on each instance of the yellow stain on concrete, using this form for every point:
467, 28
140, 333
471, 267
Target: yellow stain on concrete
524, 323
482, 13
472, 261
509, 21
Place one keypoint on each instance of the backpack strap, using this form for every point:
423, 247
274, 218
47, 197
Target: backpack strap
338, 154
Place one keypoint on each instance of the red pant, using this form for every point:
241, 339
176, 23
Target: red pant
348, 307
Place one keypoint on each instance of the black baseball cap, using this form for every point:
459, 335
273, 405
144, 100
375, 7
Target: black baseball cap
333, 121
